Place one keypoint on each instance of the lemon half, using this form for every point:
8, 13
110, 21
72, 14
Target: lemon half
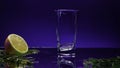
15, 44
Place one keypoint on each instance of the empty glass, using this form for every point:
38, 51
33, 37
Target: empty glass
66, 31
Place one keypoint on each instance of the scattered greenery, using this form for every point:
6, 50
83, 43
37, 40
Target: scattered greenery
23, 60
102, 63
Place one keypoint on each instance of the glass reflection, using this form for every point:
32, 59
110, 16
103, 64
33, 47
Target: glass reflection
66, 61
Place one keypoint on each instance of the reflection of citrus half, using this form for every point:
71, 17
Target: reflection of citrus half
13, 66
15, 44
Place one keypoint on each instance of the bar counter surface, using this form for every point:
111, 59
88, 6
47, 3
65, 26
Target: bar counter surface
47, 57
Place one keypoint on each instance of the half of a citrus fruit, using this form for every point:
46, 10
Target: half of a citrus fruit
15, 45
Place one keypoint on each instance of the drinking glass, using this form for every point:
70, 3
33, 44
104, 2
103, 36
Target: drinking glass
66, 31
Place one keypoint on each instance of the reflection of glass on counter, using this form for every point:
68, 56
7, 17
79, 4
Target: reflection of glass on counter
66, 64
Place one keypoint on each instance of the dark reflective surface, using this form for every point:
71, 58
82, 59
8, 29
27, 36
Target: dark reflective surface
48, 58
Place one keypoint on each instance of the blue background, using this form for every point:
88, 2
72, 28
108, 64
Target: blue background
35, 21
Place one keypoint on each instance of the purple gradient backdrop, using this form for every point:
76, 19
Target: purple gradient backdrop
35, 20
